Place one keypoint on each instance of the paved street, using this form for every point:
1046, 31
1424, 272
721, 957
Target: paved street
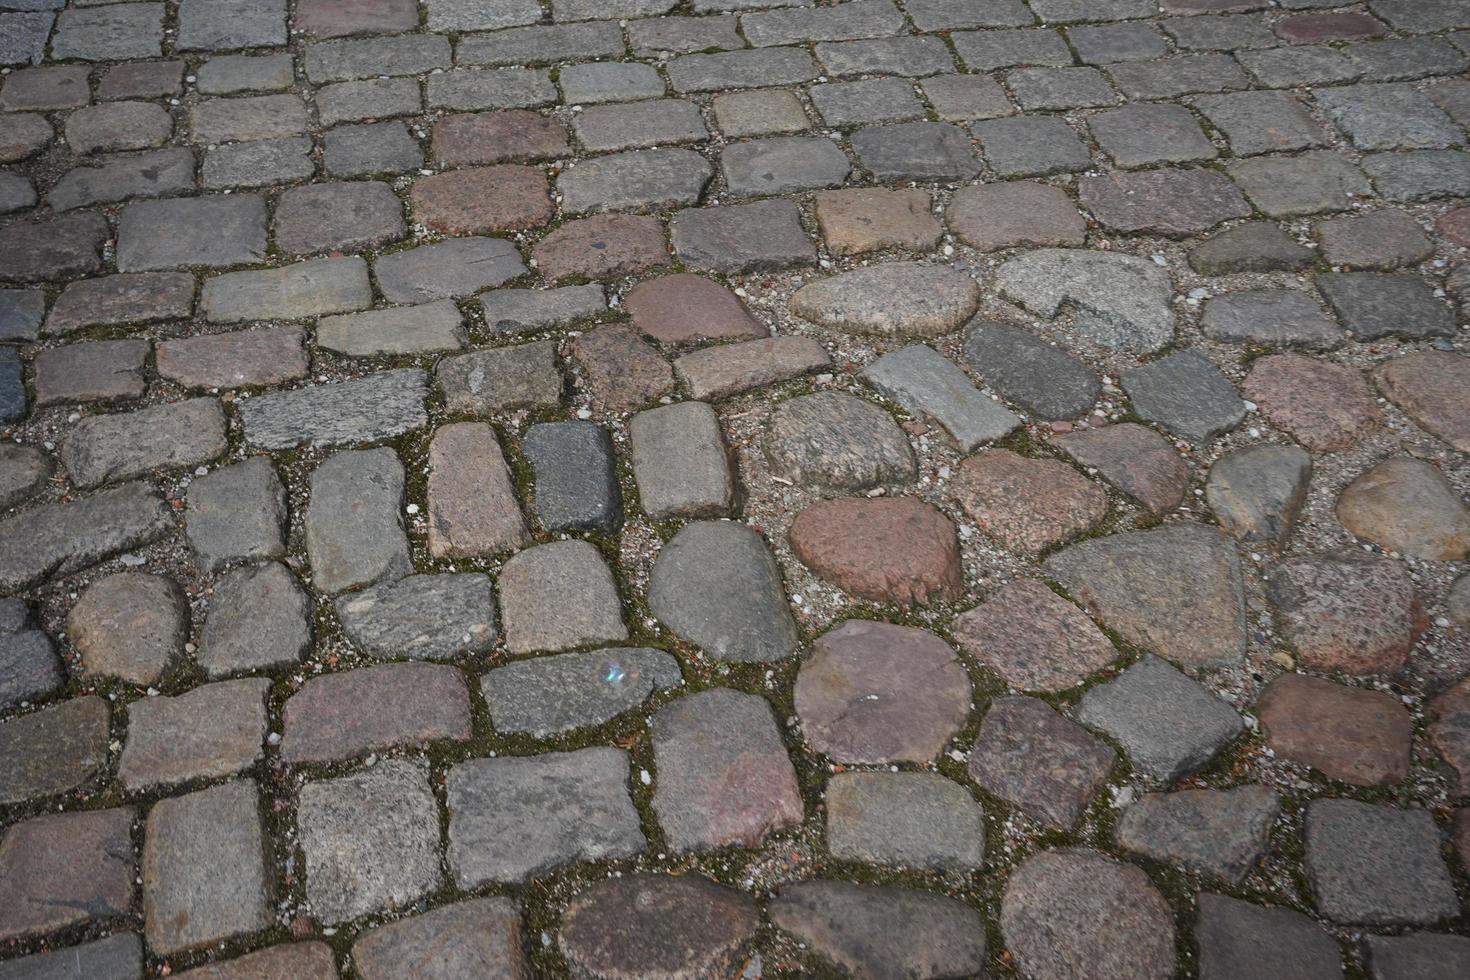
658, 490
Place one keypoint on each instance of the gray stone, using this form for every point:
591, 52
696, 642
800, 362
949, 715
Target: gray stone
639, 125
118, 126
549, 695
1271, 318
255, 117
501, 379
246, 24
405, 54
53, 750
16, 193
233, 73
836, 442
425, 329
906, 56
64, 870
52, 87
1140, 135
1181, 74
716, 585
98, 371
506, 88
958, 98
1374, 865
1315, 181
609, 82
377, 406
1419, 175
341, 716
741, 69
681, 462
110, 33
1164, 202
683, 35
424, 617
1116, 42
909, 819
1373, 305
63, 246
452, 268
1053, 89
24, 470
258, 619
760, 237
118, 957
371, 840
354, 525
21, 312
1041, 378
934, 15
1118, 301
874, 100
986, 51
370, 98
344, 215
1168, 724
514, 311
866, 18
204, 874
782, 165
558, 596
108, 448
214, 730
207, 231
238, 511
259, 163
1383, 239
514, 819
1031, 146
1258, 492
1418, 956
929, 386
759, 113
29, 667
155, 174
638, 180
1224, 833
1240, 941
60, 538
1262, 122
142, 80
370, 148
882, 930
473, 511
23, 37
1389, 117
894, 299
1255, 246
1186, 394
131, 626
916, 151
127, 298
728, 369
576, 482
542, 44
1287, 67
478, 936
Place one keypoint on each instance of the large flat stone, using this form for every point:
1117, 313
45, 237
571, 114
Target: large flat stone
377, 406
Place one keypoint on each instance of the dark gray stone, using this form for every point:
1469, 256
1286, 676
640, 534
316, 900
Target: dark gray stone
24, 470
905, 819
576, 483
155, 173
341, 215
1186, 394
404, 54
989, 50
424, 617
543, 44
29, 667
1256, 246
370, 148
1262, 122
760, 237
21, 312
1373, 305
448, 269
1418, 956
1419, 175
121, 446
115, 32
57, 539
916, 151
501, 379
549, 695
1043, 379
191, 231
376, 406
1241, 941
1375, 865
1163, 202
1258, 492
245, 24
875, 100
1105, 44
1223, 833
118, 957
1271, 318
639, 125
1180, 74
741, 69
1141, 135
64, 246
1060, 89
638, 180
23, 36
1311, 182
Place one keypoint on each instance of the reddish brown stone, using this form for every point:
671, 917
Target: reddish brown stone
65, 869
603, 247
1040, 762
342, 18
866, 219
511, 136
622, 371
1450, 734
1346, 733
1325, 28
291, 961
887, 549
729, 369
1350, 612
878, 693
482, 199
232, 360
136, 297
98, 371
1455, 225
1027, 504
473, 511
477, 938
1433, 389
1407, 505
1135, 459
685, 308
1034, 638
339, 716
1018, 212
1325, 407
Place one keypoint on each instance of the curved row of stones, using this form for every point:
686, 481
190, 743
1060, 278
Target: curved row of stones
463, 522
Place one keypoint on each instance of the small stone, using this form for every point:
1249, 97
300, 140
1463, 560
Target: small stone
576, 482
376, 406
1255, 246
1074, 912
1377, 240
558, 596
1033, 758
756, 113
909, 819
1327, 407
1169, 724
354, 528
1433, 388
346, 215
1407, 505
1223, 833
760, 237
96, 371
1421, 955
1357, 736
62, 870
724, 777
238, 511
424, 329
1240, 941
621, 371
549, 695
1040, 378
1033, 638
29, 668
681, 462
1118, 301
929, 386
1346, 611
1373, 305
24, 470
995, 216
128, 298
1271, 318
482, 200
513, 311
500, 379
684, 308
1450, 712
213, 730
473, 511
21, 313
730, 369
371, 840
130, 626
433, 617
258, 619
859, 220
52, 750
1258, 492
482, 934
1144, 134
60, 538
509, 136
603, 247
884, 549
835, 442
646, 925
1027, 505
341, 716
292, 292
204, 874
1375, 865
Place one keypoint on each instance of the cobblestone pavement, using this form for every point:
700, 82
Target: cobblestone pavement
618, 488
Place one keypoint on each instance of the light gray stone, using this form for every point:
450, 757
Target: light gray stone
558, 596
107, 448
354, 523
423, 617
930, 386
1118, 301
292, 292
634, 181
906, 819
681, 462
238, 511
838, 443
894, 299
428, 328
549, 695
513, 311
259, 618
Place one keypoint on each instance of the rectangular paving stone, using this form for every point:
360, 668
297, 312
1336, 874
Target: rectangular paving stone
513, 311
605, 128
728, 369
293, 292
142, 80
259, 163
126, 298
742, 238
65, 869
542, 44
502, 378
1029, 146
452, 268
576, 481
871, 100
1389, 117
957, 98
345, 18
609, 82
204, 874
1288, 67
842, 22
906, 56
156, 173
371, 98
23, 36
97, 371
406, 54
233, 359
459, 939
118, 957
115, 32
124, 445
370, 148
21, 312
684, 35
231, 74
289, 961
638, 180
204, 25
473, 511
759, 112
1262, 122
930, 386
237, 512
255, 117
354, 520
378, 406
64, 537
681, 462
506, 88
342, 716
44, 89
421, 329
741, 69
989, 50
213, 730
480, 15
571, 10
1183, 74
1398, 59
216, 230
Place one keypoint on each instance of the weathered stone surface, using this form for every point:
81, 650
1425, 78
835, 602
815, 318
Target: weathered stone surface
837, 443
1426, 955
548, 695
868, 219
760, 237
1240, 941
478, 937
681, 462
1033, 638
877, 693
730, 369
213, 730
292, 292
433, 617
621, 371
1077, 913
603, 247
473, 511
376, 406
930, 386
639, 125
1141, 135
258, 619
118, 957
1377, 240
782, 165
1372, 305
1186, 394
906, 819
57, 539
723, 774
514, 819
288, 961
130, 626
1325, 406
371, 840
29, 667
557, 596
233, 360
481, 200
716, 585
993, 216
53, 750
21, 313
28, 134
118, 126
884, 549
502, 378
427, 328
1255, 246
1433, 388
685, 308
1164, 202
895, 299
1038, 377
254, 23
1271, 318
238, 511
638, 180
1350, 734
1046, 765
1118, 301
58, 247
1258, 492
341, 716
344, 215
576, 481
1450, 732
204, 874
23, 471
1311, 182
354, 526
1223, 833
1375, 865
1175, 590
1407, 505
95, 371
646, 925
1027, 505
1346, 611
65, 869
192, 231
513, 311
756, 113
451, 268
408, 54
